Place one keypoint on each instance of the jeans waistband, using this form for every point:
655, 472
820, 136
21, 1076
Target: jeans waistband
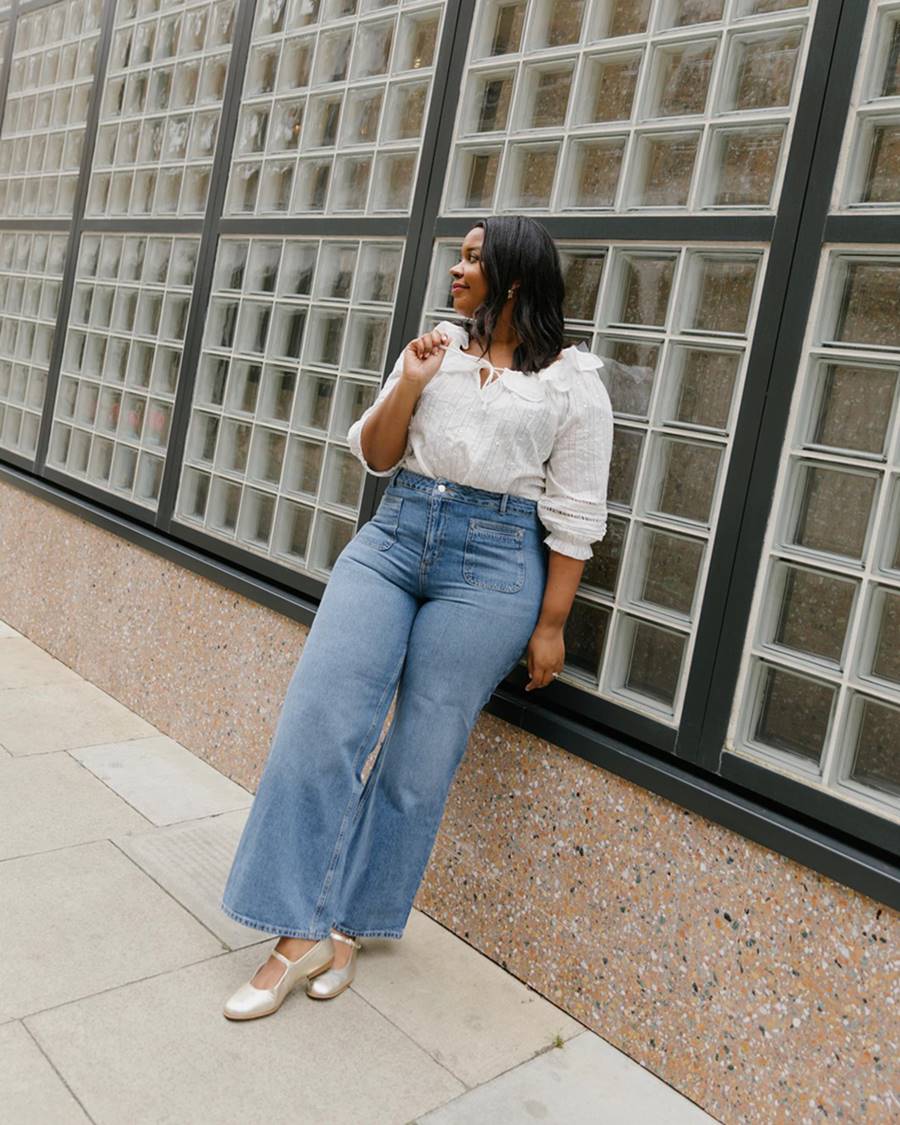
453, 490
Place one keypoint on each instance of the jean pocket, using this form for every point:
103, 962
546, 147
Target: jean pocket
381, 530
494, 556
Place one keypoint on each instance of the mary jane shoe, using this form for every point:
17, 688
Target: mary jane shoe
333, 982
250, 1002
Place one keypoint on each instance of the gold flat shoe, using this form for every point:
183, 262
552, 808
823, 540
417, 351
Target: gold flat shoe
333, 982
250, 1002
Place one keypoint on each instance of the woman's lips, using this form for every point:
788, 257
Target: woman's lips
454, 287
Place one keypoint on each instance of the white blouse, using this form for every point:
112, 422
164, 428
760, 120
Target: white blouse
546, 436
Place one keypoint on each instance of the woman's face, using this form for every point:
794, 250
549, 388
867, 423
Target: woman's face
470, 288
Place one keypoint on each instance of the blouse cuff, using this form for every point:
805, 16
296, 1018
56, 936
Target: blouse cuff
354, 440
569, 545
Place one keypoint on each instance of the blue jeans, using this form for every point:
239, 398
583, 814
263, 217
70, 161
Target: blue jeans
436, 596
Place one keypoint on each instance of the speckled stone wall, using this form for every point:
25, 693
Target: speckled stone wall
761, 990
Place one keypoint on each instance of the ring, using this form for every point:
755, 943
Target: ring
555, 674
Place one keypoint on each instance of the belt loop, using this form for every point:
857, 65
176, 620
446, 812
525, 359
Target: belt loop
503, 503
396, 473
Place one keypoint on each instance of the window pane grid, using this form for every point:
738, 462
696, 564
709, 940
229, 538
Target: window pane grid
294, 348
672, 323
819, 694
44, 118
121, 360
869, 175
334, 108
31, 266
685, 107
161, 106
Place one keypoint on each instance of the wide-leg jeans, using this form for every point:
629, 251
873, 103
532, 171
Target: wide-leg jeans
435, 597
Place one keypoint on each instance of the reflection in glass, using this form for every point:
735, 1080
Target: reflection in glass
581, 276
646, 287
764, 67
875, 759
682, 78
531, 174
611, 84
584, 635
669, 569
653, 660
833, 508
687, 479
813, 613
853, 407
623, 17
680, 13
595, 169
628, 373
724, 293
867, 310
704, 381
744, 163
665, 169
546, 96
505, 26
794, 713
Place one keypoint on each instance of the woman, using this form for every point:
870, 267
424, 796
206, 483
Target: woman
488, 432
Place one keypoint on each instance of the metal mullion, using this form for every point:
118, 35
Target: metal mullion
67, 284
173, 226
190, 354
763, 412
350, 226
648, 228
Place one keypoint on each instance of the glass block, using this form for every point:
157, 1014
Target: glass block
668, 570
830, 509
865, 309
584, 636
544, 99
810, 612
362, 115
393, 180
793, 712
530, 174
877, 735
489, 99
601, 571
766, 7
417, 40
374, 41
882, 177
664, 169
649, 659
701, 382
614, 18
626, 456
742, 165
377, 273
680, 78
685, 478
883, 644
682, 13
644, 288
592, 173
720, 293
303, 469
556, 23
608, 87
475, 179
581, 272
334, 276
761, 69
852, 407
628, 372
500, 27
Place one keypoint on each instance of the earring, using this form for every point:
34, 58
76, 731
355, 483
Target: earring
509, 292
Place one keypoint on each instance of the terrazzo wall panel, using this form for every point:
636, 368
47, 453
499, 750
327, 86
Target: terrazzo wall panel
761, 990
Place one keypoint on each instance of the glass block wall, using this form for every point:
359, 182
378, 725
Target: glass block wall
821, 690
627, 104
293, 353
50, 81
334, 106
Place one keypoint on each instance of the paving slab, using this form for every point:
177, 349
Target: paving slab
85, 918
463, 1008
192, 862
585, 1082
32, 1090
50, 801
45, 718
161, 1050
163, 780
25, 664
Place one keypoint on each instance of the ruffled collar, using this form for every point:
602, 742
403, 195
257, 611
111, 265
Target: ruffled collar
559, 373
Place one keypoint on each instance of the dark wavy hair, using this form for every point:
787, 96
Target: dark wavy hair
518, 248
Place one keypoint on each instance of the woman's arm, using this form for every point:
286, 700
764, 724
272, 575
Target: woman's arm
546, 649
384, 433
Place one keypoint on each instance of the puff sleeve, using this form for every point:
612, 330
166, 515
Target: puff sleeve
354, 434
573, 506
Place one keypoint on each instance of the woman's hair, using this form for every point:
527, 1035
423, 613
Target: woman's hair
518, 248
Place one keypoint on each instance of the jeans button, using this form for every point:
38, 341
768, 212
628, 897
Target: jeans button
442, 488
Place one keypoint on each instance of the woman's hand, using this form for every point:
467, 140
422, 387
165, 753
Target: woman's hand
546, 654
423, 356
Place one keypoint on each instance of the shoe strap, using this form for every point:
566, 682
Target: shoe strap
347, 940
